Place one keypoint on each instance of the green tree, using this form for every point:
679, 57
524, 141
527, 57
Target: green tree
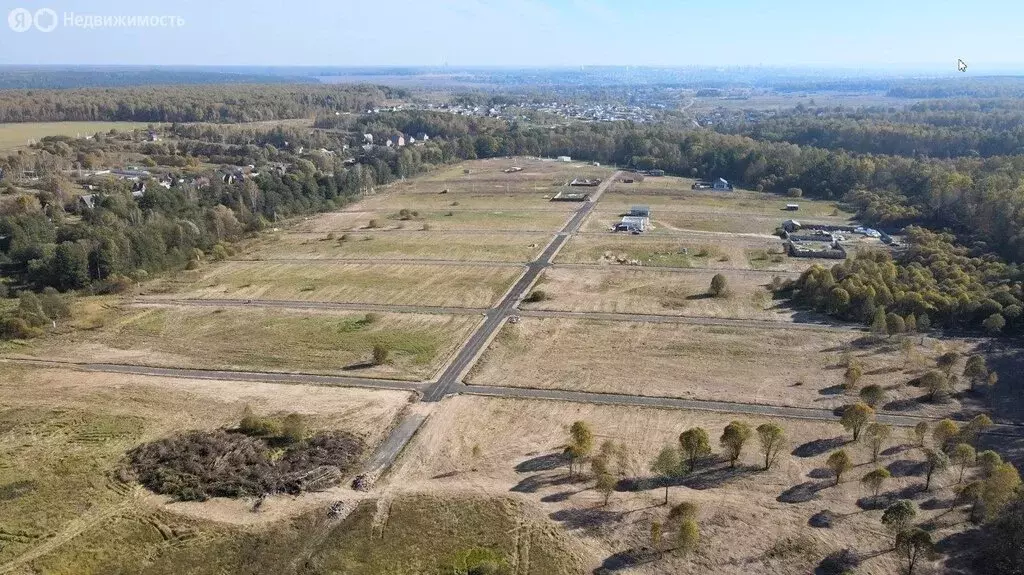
945, 432
772, 439
656, 535
877, 434
688, 538
734, 437
975, 371
855, 417
935, 460
839, 462
606, 486
971, 493
999, 489
581, 443
976, 426
947, 361
920, 432
719, 286
872, 395
669, 465
899, 515
963, 455
684, 511
937, 384
914, 544
994, 323
694, 445
1002, 541
874, 479
894, 324
988, 461
878, 323
851, 377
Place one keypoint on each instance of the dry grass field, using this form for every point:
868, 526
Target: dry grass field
451, 220
622, 289
269, 340
62, 433
16, 136
701, 251
754, 365
519, 445
430, 245
370, 283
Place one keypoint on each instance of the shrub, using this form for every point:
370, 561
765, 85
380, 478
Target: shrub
536, 296
719, 286
795, 193
373, 224
380, 354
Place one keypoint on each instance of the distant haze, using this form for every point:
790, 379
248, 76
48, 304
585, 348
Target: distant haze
903, 35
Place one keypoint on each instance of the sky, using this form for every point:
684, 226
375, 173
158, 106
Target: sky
863, 34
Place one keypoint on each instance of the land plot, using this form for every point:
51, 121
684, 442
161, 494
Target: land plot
500, 445
453, 219
693, 250
400, 284
270, 340
645, 291
673, 222
776, 366
496, 247
623, 196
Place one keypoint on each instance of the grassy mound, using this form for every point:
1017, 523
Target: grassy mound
197, 465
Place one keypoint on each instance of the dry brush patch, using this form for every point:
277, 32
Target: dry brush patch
269, 340
370, 283
758, 365
518, 448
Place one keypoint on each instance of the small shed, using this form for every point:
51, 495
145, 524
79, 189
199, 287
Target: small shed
792, 207
632, 224
722, 184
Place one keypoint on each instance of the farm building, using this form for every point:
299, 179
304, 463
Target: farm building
585, 182
640, 211
632, 224
656, 173
564, 158
721, 184
792, 207
563, 196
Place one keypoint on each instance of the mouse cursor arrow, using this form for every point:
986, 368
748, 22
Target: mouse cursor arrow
961, 65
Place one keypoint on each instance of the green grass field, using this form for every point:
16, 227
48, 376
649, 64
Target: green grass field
274, 340
14, 136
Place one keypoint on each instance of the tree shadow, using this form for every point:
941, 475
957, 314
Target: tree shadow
896, 449
445, 475
910, 404
802, 493
357, 366
706, 478
558, 497
543, 463
821, 473
823, 519
907, 468
699, 296
883, 370
535, 483
627, 559
959, 550
875, 502
832, 390
587, 519
819, 447
934, 503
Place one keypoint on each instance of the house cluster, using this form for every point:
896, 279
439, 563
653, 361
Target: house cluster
398, 140
580, 112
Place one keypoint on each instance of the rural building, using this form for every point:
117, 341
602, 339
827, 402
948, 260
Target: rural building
640, 211
564, 158
792, 207
627, 180
585, 182
632, 224
656, 173
722, 184
563, 196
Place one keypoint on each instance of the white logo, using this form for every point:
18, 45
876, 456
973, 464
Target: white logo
46, 20
20, 20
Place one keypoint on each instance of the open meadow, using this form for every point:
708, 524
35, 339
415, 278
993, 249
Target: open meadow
685, 250
17, 136
789, 517
770, 365
368, 283
331, 342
